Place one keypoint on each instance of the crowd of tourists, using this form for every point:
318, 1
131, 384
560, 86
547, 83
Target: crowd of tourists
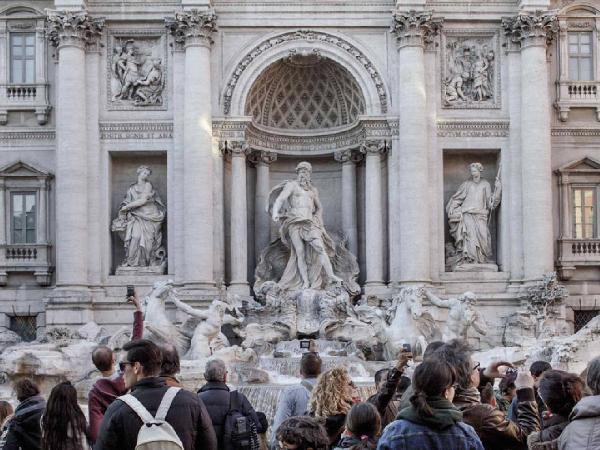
445, 401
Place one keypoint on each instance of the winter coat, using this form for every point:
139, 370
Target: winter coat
547, 438
120, 426
442, 431
24, 431
492, 425
384, 400
106, 389
215, 395
583, 431
350, 441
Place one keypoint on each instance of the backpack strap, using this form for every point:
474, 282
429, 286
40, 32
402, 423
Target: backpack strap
165, 403
234, 401
137, 407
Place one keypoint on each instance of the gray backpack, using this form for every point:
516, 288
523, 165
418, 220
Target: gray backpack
155, 433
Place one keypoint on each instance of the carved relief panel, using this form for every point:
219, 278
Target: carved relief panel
136, 70
470, 69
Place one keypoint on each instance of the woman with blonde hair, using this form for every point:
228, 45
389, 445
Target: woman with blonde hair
331, 400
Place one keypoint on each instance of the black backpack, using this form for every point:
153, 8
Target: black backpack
239, 431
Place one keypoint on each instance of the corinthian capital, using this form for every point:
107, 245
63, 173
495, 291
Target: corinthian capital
72, 28
375, 146
531, 29
193, 27
262, 157
415, 28
234, 148
344, 156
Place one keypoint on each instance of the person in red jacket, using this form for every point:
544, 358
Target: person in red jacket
111, 385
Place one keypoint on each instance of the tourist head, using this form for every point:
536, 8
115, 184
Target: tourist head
103, 358
434, 378
310, 365
169, 366
537, 369
593, 376
332, 394
142, 360
476, 169
457, 353
25, 389
63, 422
403, 385
381, 377
431, 348
363, 422
144, 172
487, 395
302, 433
560, 391
6, 411
216, 370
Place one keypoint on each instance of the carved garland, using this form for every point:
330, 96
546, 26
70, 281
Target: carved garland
304, 35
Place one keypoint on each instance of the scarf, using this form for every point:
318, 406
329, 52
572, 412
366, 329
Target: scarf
445, 414
466, 397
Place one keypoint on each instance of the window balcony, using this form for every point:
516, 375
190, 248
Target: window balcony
574, 253
577, 94
26, 258
24, 97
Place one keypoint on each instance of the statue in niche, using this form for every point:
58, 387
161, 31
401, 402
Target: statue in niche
461, 315
137, 77
468, 217
304, 256
469, 76
139, 225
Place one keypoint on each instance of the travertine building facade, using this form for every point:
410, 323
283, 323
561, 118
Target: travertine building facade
390, 101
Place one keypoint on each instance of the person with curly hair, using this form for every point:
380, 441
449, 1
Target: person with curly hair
63, 423
301, 433
331, 400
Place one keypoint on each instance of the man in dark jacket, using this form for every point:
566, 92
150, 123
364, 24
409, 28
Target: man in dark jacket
494, 429
24, 432
216, 396
111, 385
120, 426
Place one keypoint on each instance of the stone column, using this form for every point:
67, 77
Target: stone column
262, 221
70, 32
410, 245
373, 214
193, 30
42, 225
2, 212
534, 32
348, 159
238, 218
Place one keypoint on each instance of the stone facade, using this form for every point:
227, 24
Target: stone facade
223, 98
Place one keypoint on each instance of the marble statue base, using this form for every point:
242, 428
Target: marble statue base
475, 268
149, 270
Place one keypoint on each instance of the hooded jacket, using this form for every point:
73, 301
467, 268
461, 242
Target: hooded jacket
24, 431
583, 431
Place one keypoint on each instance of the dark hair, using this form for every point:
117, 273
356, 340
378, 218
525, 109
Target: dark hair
310, 364
169, 365
404, 384
593, 375
487, 394
146, 353
26, 388
507, 383
102, 357
6, 410
380, 375
304, 432
63, 422
560, 391
457, 353
432, 377
364, 422
431, 348
539, 367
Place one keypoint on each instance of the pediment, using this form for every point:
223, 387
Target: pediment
22, 169
581, 165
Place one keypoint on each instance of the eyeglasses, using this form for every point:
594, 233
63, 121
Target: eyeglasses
122, 365
477, 366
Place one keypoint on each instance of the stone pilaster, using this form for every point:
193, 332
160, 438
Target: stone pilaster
410, 243
2, 212
238, 150
42, 231
373, 149
71, 32
533, 32
348, 160
193, 30
262, 222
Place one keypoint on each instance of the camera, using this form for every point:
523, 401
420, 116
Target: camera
305, 344
406, 348
130, 292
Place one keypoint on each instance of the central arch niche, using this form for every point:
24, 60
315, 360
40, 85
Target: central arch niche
305, 93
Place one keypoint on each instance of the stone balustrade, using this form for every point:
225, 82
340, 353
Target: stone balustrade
577, 252
577, 94
24, 97
26, 258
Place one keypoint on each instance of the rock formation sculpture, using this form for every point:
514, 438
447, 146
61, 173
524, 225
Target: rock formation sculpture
461, 315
